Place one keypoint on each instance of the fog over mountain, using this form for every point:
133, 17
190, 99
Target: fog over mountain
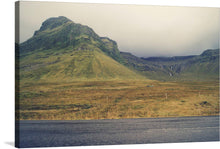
143, 30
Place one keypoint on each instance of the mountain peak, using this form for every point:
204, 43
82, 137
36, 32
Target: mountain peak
53, 23
59, 33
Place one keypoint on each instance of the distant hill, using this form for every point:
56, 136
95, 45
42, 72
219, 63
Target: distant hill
196, 67
62, 50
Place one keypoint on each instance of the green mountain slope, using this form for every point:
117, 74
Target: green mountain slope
196, 67
62, 50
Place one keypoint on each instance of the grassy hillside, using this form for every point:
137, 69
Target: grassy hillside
67, 65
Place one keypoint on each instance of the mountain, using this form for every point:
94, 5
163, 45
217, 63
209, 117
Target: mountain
62, 50
195, 67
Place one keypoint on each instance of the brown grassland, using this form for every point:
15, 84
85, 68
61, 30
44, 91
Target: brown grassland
116, 99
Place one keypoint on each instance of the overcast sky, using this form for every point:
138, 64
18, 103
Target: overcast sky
142, 30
